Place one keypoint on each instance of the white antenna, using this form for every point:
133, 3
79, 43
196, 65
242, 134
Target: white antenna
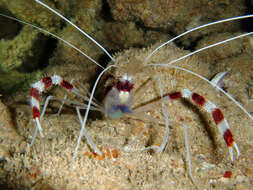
55, 36
84, 33
194, 29
210, 46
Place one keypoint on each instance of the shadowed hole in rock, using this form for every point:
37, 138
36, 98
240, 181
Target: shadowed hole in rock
9, 28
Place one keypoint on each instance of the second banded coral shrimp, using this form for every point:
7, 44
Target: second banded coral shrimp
144, 93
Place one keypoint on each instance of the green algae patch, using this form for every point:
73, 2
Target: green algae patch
15, 53
19, 57
11, 82
32, 12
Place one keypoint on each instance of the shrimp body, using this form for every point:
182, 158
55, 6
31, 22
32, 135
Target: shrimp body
119, 99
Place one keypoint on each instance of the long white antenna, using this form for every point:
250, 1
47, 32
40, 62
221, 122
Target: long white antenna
201, 49
55, 36
84, 33
194, 29
210, 46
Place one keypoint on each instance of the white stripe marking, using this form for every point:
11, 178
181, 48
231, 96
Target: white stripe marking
56, 79
39, 86
223, 126
35, 102
209, 106
186, 93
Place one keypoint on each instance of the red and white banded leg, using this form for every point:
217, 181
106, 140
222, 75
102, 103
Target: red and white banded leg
216, 113
38, 88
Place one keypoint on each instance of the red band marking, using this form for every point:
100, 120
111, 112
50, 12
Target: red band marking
199, 100
175, 95
228, 137
217, 116
227, 174
120, 10
47, 81
36, 112
66, 85
124, 86
35, 93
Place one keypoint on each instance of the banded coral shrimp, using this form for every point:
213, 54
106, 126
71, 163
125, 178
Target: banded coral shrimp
140, 79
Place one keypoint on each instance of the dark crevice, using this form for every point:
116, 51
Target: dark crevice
42, 51
62, 25
5, 186
191, 46
179, 42
58, 5
9, 28
50, 46
138, 45
140, 25
106, 13
247, 24
104, 59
